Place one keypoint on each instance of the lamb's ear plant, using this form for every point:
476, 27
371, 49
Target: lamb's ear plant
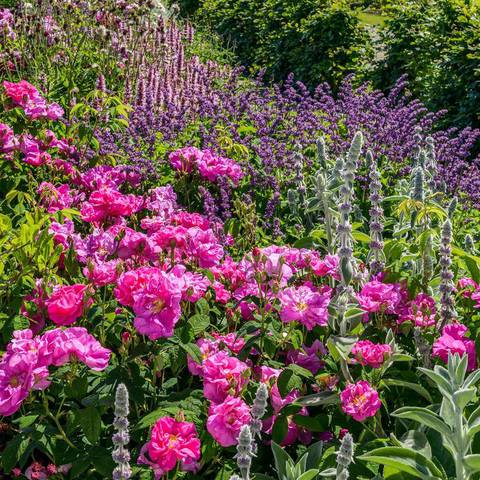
412, 454
307, 467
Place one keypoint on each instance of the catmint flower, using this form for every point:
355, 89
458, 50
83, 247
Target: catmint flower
345, 456
447, 310
120, 438
245, 452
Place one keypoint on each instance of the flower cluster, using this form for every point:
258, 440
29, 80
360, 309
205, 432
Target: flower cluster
24, 367
24, 95
210, 166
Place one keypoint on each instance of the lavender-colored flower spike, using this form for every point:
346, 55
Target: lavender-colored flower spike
259, 408
344, 457
245, 452
120, 438
452, 207
322, 153
376, 256
468, 244
418, 192
447, 309
344, 228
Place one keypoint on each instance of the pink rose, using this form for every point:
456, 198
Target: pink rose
173, 442
360, 400
226, 419
453, 341
372, 354
223, 376
66, 304
304, 305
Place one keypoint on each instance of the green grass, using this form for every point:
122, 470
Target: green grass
372, 18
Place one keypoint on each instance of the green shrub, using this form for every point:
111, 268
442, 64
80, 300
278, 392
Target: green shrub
438, 45
317, 40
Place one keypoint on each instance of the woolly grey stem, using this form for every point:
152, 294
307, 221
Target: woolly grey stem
344, 457
375, 256
120, 438
447, 309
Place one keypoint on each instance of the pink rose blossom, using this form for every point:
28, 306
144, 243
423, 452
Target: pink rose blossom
157, 305
468, 285
185, 158
55, 198
108, 202
360, 400
8, 141
226, 419
421, 311
223, 375
304, 305
66, 304
372, 354
453, 341
173, 442
376, 296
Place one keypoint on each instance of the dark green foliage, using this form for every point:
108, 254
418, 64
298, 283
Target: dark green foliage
317, 40
438, 45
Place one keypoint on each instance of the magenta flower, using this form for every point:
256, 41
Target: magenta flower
108, 202
372, 354
171, 442
66, 304
453, 341
55, 198
185, 158
8, 141
157, 305
304, 305
308, 357
360, 400
226, 419
376, 296
223, 375
420, 311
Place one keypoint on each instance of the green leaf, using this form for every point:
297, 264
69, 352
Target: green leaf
425, 417
308, 475
288, 381
193, 351
91, 423
395, 382
282, 458
416, 441
472, 462
280, 428
199, 323
314, 455
12, 452
405, 460
340, 347
441, 381
464, 396
322, 398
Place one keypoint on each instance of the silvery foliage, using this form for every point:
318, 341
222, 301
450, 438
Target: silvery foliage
120, 438
413, 454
